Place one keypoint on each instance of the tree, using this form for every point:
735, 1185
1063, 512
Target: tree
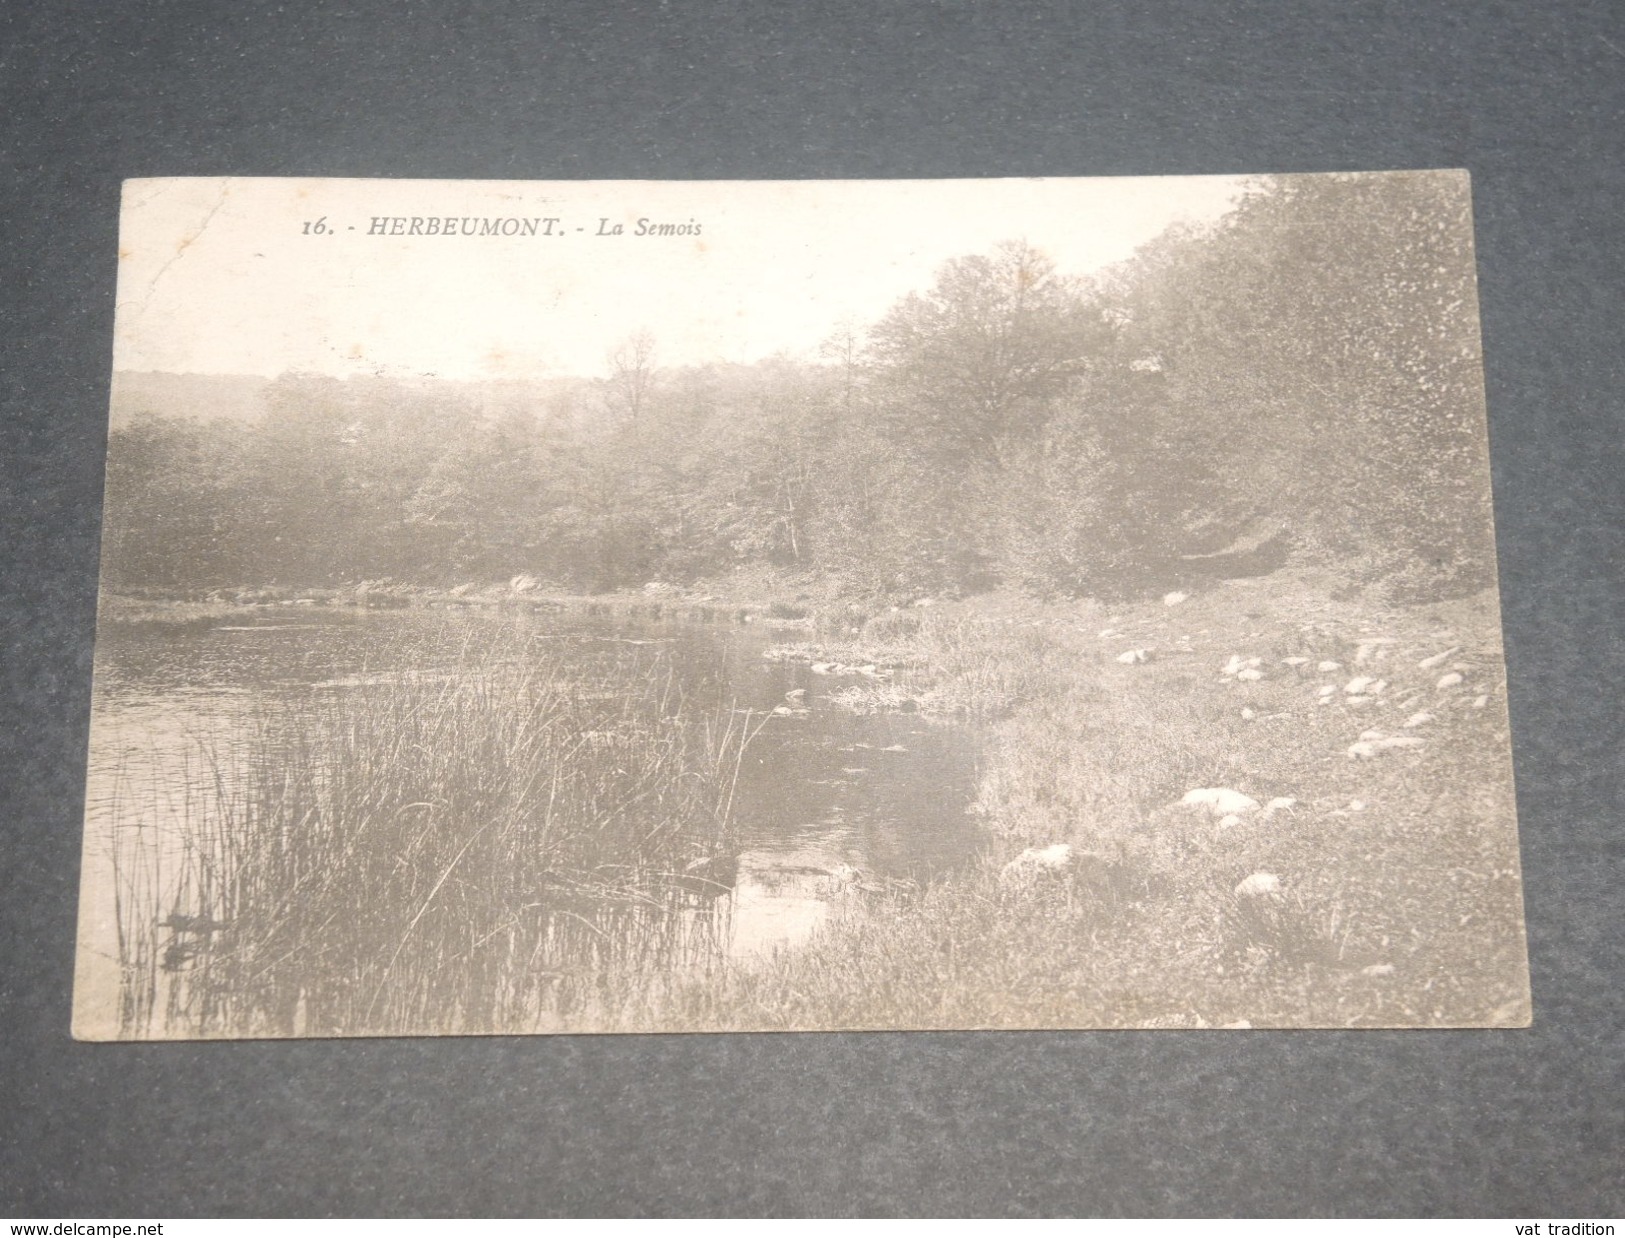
174, 502
1324, 338
973, 362
965, 377
631, 375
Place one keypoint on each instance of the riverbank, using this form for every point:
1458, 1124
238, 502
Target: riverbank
1351, 860
158, 608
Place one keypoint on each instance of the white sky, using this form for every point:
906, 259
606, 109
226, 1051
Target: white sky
217, 276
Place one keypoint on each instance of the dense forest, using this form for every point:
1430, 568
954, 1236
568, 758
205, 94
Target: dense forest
1298, 382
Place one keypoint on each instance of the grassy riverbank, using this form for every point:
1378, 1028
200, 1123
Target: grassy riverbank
1386, 891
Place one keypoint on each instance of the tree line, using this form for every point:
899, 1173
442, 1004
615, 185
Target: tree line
1301, 378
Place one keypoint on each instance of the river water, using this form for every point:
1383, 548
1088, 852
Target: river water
826, 800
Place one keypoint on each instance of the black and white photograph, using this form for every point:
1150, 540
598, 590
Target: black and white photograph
641, 606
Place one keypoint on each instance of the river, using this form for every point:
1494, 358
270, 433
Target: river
826, 801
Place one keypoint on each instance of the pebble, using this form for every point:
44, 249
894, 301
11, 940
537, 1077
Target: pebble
1438, 659
1259, 884
1368, 748
1220, 801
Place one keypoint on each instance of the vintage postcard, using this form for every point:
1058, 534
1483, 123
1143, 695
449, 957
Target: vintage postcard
628, 607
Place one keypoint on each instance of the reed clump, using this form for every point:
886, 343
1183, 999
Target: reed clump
507, 848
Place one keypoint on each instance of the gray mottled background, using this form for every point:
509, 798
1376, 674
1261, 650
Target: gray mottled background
1529, 97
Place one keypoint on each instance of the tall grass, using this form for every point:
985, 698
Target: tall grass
505, 848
